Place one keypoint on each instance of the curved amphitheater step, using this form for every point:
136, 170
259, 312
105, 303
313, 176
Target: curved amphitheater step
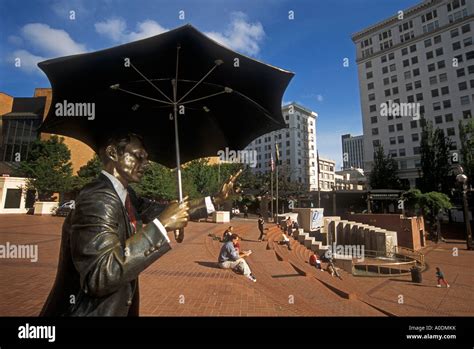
281, 278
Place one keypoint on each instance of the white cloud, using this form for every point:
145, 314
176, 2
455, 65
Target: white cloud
241, 35
28, 61
319, 98
50, 41
40, 42
116, 30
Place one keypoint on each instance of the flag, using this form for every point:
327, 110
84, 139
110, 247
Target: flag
272, 163
277, 153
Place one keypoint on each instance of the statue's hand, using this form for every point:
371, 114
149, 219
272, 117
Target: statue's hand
175, 215
227, 188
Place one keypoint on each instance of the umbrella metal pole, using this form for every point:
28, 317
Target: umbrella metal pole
178, 159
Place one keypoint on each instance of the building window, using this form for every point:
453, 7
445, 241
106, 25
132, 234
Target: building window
447, 104
429, 55
433, 80
427, 42
393, 79
466, 28
451, 131
370, 86
372, 97
375, 131
464, 100
448, 117
454, 33
437, 106
460, 72
456, 45
434, 93
404, 51
409, 87
437, 39
438, 119
368, 64
401, 152
391, 128
466, 114
401, 139
441, 64
393, 140
416, 150
399, 127
413, 124
373, 107
415, 137
373, 120
443, 77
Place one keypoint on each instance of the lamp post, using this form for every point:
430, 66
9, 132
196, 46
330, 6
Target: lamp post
462, 180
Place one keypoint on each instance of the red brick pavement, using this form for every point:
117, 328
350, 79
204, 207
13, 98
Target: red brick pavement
187, 282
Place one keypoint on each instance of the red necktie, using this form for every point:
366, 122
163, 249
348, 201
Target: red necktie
131, 213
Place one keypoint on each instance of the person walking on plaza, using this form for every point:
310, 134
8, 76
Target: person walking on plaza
230, 258
441, 279
246, 211
261, 225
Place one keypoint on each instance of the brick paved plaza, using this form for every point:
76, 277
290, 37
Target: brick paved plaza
187, 282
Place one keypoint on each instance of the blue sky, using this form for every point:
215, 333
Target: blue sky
313, 44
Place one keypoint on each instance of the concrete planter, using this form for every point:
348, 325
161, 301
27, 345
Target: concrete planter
221, 217
45, 207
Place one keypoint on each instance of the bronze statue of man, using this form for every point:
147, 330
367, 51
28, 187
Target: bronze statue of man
112, 235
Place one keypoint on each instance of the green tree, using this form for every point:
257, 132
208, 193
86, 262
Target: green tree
435, 160
426, 204
87, 173
384, 174
466, 135
158, 183
48, 168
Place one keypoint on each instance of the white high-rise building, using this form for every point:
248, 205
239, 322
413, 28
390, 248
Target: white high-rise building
352, 151
296, 145
420, 59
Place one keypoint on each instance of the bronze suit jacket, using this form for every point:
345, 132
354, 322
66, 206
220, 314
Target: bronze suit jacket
100, 259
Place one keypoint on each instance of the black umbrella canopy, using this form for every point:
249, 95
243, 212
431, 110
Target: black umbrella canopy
246, 104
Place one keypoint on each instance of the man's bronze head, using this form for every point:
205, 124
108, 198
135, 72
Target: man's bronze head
124, 156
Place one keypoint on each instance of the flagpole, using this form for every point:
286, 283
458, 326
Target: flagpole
319, 188
277, 158
271, 191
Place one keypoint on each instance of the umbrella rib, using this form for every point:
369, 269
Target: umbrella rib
152, 84
218, 62
139, 95
199, 99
